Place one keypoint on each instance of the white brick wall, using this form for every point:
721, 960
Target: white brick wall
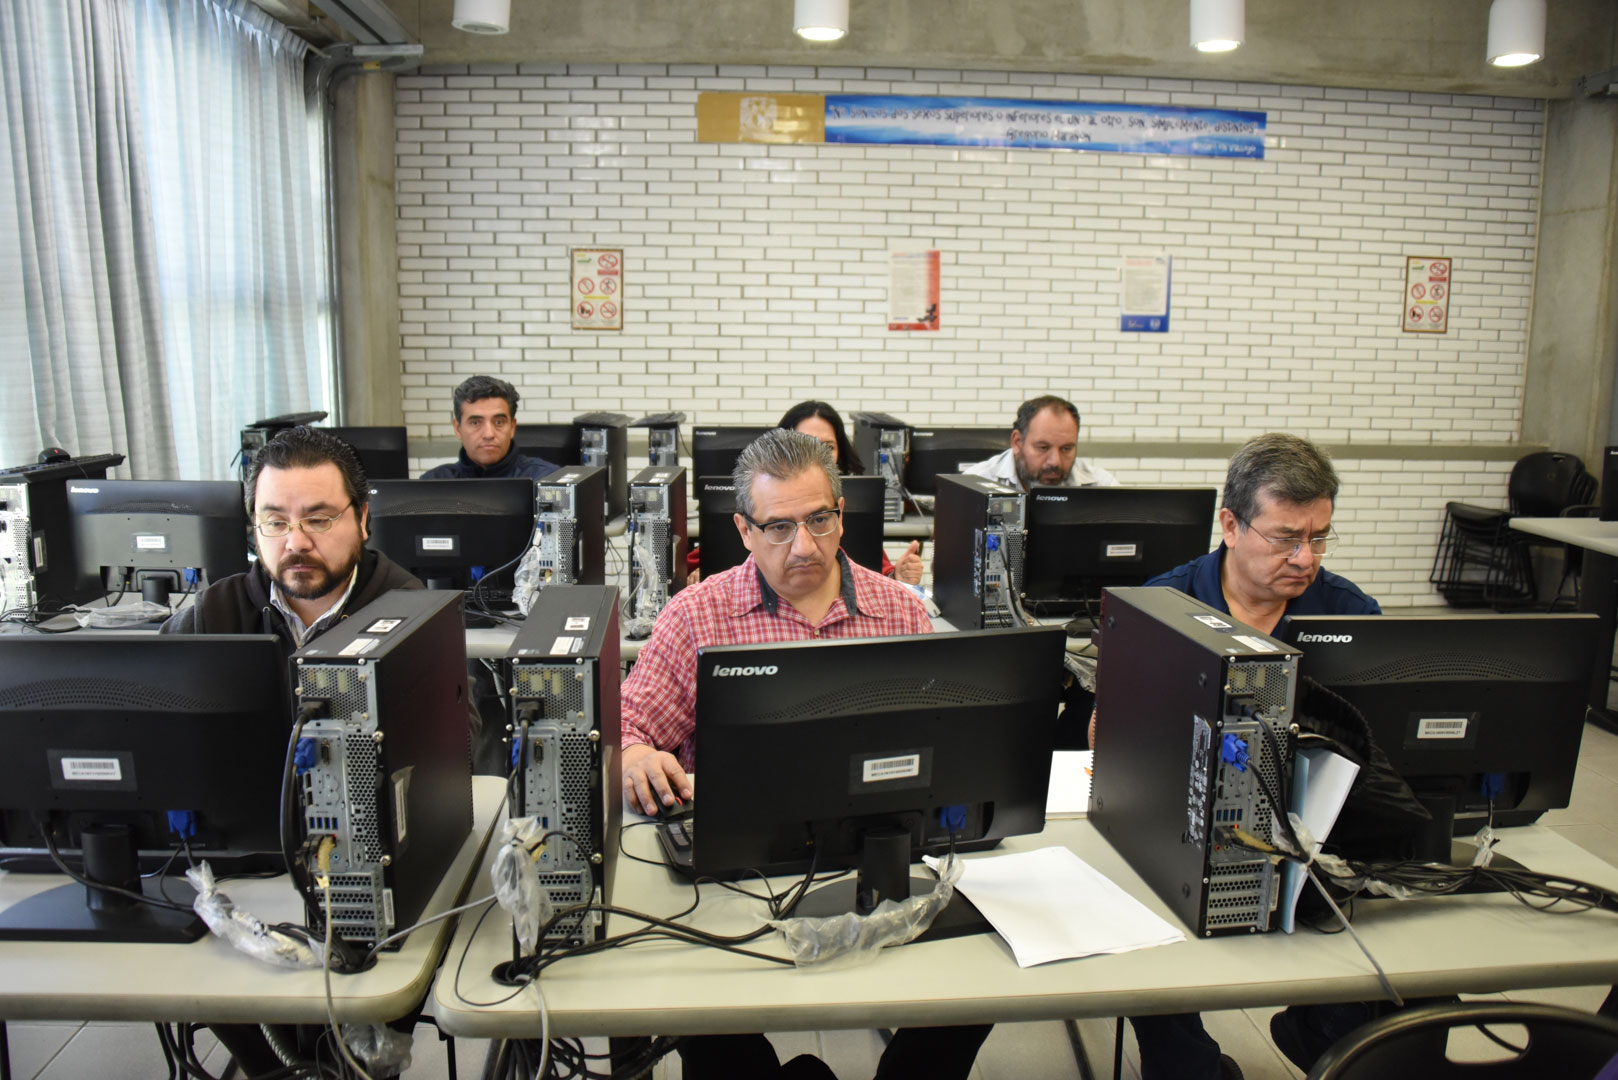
756, 276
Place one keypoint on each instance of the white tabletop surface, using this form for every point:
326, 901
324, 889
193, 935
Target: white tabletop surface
1591, 533
207, 980
1431, 946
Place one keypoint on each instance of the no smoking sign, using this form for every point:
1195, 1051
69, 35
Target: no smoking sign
596, 275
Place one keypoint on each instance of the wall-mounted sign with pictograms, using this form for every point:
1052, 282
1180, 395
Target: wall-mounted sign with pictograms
1426, 296
597, 275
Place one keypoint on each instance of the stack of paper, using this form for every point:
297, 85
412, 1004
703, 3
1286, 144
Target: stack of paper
1051, 905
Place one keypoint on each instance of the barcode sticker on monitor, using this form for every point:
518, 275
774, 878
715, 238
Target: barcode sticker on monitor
95, 769
1121, 551
890, 768
438, 543
151, 542
1441, 727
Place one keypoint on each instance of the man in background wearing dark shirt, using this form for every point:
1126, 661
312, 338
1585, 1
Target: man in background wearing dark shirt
485, 417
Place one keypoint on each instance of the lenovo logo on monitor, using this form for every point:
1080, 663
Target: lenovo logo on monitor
1325, 639
721, 672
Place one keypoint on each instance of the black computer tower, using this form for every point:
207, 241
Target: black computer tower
662, 437
565, 726
1193, 711
882, 443
657, 523
570, 530
604, 443
38, 565
391, 771
978, 538
1609, 484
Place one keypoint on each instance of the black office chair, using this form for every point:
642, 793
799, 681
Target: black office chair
1482, 562
1413, 1042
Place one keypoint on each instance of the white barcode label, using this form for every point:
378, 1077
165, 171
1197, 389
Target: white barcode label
1121, 551
1441, 727
890, 768
151, 542
80, 768
1254, 643
438, 543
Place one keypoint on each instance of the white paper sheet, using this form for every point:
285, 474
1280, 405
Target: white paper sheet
1069, 794
1320, 783
1051, 905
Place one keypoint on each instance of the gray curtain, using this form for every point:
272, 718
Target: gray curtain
85, 254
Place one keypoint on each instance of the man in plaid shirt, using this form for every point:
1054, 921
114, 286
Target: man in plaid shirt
796, 585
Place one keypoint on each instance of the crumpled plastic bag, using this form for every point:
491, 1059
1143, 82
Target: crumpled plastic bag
850, 939
383, 1051
529, 578
515, 875
245, 931
1337, 870
115, 618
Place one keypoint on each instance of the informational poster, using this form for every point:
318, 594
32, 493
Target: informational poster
913, 290
598, 288
1426, 298
1144, 293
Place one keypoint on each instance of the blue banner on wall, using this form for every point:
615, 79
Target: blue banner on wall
892, 119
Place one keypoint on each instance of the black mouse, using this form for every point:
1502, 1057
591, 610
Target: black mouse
678, 811
53, 454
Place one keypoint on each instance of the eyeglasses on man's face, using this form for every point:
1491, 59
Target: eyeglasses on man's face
820, 523
1287, 547
314, 523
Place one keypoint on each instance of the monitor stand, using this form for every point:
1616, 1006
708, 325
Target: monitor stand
76, 912
884, 874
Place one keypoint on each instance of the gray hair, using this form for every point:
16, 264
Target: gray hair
783, 454
1286, 467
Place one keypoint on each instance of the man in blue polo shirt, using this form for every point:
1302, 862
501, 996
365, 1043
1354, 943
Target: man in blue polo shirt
1280, 491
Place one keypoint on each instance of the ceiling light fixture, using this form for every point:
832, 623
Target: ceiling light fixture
1516, 32
820, 20
482, 16
1218, 25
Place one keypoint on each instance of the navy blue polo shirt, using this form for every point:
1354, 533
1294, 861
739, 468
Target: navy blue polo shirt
1328, 594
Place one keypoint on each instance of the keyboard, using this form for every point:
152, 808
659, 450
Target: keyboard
88, 467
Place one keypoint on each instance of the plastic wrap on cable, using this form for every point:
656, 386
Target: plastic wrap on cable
516, 880
847, 940
114, 618
529, 578
383, 1051
648, 596
1337, 869
245, 932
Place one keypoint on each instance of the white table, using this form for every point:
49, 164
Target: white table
1434, 946
207, 980
1598, 589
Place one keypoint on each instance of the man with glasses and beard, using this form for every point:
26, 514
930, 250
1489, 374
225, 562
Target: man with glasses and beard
307, 501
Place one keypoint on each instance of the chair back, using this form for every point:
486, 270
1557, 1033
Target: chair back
1412, 1042
1544, 484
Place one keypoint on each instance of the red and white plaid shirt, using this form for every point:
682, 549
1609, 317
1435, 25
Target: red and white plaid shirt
736, 607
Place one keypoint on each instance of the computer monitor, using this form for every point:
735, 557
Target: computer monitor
1455, 699
889, 737
159, 536
105, 735
714, 450
555, 443
454, 533
384, 452
721, 546
936, 450
1082, 540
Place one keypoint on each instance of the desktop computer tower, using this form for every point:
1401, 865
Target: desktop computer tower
259, 432
1609, 484
978, 535
662, 437
657, 528
38, 567
882, 442
388, 756
564, 723
604, 443
1193, 710
569, 528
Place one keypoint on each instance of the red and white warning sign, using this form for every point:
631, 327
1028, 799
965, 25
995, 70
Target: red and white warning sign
1427, 291
597, 273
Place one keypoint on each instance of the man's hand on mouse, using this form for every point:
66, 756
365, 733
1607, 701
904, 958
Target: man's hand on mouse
653, 778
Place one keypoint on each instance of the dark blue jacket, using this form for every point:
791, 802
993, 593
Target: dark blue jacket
513, 464
1328, 594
